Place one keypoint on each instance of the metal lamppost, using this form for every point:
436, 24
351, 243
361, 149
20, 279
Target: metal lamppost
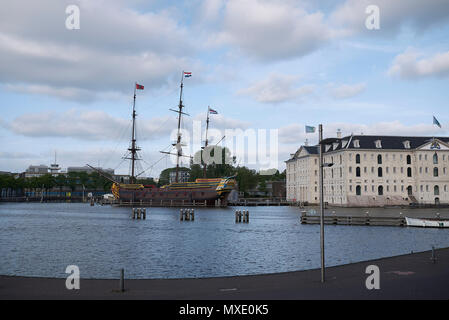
321, 176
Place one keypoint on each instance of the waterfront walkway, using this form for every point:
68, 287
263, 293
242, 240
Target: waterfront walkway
412, 276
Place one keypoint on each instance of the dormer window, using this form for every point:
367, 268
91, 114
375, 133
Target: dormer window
335, 145
378, 144
356, 143
406, 144
344, 143
328, 146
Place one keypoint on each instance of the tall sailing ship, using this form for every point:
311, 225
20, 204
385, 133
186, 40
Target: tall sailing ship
202, 190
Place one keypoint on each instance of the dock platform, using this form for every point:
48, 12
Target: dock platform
362, 220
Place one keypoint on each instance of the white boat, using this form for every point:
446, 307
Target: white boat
427, 223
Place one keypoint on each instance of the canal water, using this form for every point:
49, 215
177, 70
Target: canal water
43, 239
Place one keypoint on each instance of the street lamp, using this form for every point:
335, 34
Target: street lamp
322, 165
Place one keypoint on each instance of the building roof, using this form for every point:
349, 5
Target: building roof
380, 142
356, 142
309, 149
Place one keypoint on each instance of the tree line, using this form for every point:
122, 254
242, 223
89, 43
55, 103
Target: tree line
72, 180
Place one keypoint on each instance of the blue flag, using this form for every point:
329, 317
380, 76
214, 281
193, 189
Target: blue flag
436, 122
310, 129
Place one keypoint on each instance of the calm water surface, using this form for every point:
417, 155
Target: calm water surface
42, 239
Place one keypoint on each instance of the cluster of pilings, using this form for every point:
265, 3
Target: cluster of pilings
242, 216
139, 213
187, 214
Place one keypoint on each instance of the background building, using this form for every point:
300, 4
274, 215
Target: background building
89, 170
183, 176
37, 171
373, 171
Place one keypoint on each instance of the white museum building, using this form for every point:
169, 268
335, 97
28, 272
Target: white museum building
372, 171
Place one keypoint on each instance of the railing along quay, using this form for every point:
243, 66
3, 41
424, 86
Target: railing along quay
353, 220
166, 203
253, 202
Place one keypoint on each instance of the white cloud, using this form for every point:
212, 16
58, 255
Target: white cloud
295, 133
270, 30
87, 125
99, 125
346, 91
393, 15
277, 88
407, 65
114, 47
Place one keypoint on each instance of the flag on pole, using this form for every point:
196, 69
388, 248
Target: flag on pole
436, 122
310, 129
139, 87
187, 74
212, 111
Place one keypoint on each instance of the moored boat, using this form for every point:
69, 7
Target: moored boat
426, 223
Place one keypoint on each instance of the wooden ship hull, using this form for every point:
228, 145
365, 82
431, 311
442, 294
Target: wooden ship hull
202, 190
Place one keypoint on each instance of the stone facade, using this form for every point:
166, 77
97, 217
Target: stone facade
373, 171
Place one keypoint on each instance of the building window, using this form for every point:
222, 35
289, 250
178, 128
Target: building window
409, 159
379, 159
409, 172
435, 158
436, 190
350, 169
358, 190
378, 144
421, 188
409, 190
380, 190
356, 144
357, 158
435, 172
407, 144
357, 172
379, 172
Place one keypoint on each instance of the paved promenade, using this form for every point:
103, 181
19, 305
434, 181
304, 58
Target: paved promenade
412, 276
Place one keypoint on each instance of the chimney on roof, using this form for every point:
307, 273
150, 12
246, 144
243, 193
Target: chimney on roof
339, 133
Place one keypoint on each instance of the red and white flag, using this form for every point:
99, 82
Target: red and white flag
139, 87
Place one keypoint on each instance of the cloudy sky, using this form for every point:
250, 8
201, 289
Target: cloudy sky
262, 64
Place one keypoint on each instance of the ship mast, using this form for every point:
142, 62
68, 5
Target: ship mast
206, 142
178, 142
133, 149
